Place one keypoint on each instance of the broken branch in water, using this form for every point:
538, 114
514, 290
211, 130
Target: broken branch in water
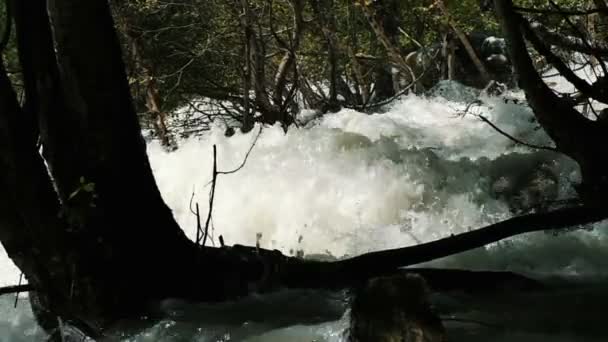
16, 289
375, 262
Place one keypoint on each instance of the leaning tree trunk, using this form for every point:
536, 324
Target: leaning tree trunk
91, 233
578, 137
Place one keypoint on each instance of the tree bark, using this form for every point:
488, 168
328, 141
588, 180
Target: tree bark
323, 11
467, 44
145, 68
281, 94
377, 26
574, 135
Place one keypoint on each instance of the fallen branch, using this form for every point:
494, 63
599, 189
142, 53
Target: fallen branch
512, 138
370, 264
16, 289
503, 133
246, 155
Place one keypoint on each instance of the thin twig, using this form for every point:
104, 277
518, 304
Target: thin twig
548, 148
212, 196
408, 36
198, 225
397, 95
581, 35
246, 155
213, 183
496, 128
190, 205
17, 293
572, 12
573, 69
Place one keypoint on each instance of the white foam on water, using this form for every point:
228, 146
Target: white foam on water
353, 182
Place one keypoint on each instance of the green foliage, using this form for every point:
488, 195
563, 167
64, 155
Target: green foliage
196, 48
9, 54
85, 188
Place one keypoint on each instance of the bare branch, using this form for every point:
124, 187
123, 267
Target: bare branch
16, 289
581, 35
496, 128
502, 132
563, 69
246, 155
211, 196
386, 260
569, 12
568, 42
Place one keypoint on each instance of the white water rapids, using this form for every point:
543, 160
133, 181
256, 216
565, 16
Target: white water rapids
351, 183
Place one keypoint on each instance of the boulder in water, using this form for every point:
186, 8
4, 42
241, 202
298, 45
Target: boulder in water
394, 308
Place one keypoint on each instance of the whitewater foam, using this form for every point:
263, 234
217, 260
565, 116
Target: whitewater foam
352, 182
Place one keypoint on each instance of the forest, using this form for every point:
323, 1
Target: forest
420, 170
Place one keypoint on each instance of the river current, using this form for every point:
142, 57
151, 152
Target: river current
349, 183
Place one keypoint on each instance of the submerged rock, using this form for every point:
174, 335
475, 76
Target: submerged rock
526, 186
394, 309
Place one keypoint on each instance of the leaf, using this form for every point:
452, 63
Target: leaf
73, 194
89, 187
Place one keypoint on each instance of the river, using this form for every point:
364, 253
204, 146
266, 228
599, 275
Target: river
350, 183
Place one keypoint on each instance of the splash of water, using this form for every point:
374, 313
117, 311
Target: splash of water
352, 182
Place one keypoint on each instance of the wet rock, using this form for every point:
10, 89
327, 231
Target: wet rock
394, 309
534, 191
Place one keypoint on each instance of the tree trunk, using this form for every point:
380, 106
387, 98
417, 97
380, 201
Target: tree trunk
282, 95
574, 135
377, 26
146, 70
271, 112
483, 72
248, 114
323, 10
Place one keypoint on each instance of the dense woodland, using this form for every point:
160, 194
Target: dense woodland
80, 79
247, 61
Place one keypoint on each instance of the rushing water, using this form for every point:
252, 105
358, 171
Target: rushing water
350, 183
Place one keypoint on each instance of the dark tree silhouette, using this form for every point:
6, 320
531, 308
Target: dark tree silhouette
86, 223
